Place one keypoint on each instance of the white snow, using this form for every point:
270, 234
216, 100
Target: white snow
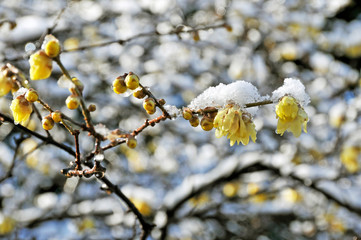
294, 88
173, 111
20, 92
239, 92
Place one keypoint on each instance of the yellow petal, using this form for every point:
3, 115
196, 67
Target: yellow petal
40, 65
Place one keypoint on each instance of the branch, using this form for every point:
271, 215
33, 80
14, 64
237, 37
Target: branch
48, 140
177, 31
10, 170
146, 227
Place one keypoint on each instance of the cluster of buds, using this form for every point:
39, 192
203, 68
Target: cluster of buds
131, 81
206, 122
41, 61
122, 83
76, 89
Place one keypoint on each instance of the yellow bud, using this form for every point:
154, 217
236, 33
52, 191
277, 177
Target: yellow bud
161, 101
51, 46
228, 27
7, 225
140, 94
142, 206
150, 112
92, 108
56, 116
196, 37
119, 85
132, 81
149, 105
230, 189
5, 84
31, 95
78, 83
187, 114
48, 123
131, 142
194, 121
40, 65
207, 123
72, 102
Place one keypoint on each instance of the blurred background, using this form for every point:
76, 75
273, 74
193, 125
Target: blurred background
185, 180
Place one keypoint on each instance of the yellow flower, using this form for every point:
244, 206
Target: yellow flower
7, 225
21, 109
235, 123
40, 65
349, 158
291, 116
143, 207
5, 84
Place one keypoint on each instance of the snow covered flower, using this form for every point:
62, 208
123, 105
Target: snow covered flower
40, 65
291, 97
291, 116
236, 124
51, 46
21, 109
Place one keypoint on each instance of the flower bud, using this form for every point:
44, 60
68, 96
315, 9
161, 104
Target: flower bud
140, 94
206, 123
151, 112
78, 84
47, 123
194, 121
119, 85
161, 101
195, 36
40, 65
228, 27
5, 83
149, 105
132, 81
72, 102
31, 95
131, 142
187, 114
56, 116
92, 108
51, 46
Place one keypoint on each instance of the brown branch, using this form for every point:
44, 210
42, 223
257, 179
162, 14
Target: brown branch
146, 227
160, 106
10, 170
77, 151
177, 31
256, 166
149, 123
47, 140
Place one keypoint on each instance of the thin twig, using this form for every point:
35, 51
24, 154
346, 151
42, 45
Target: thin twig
10, 170
48, 140
146, 227
149, 34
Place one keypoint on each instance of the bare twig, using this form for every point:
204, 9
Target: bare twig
10, 170
48, 140
177, 31
146, 227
